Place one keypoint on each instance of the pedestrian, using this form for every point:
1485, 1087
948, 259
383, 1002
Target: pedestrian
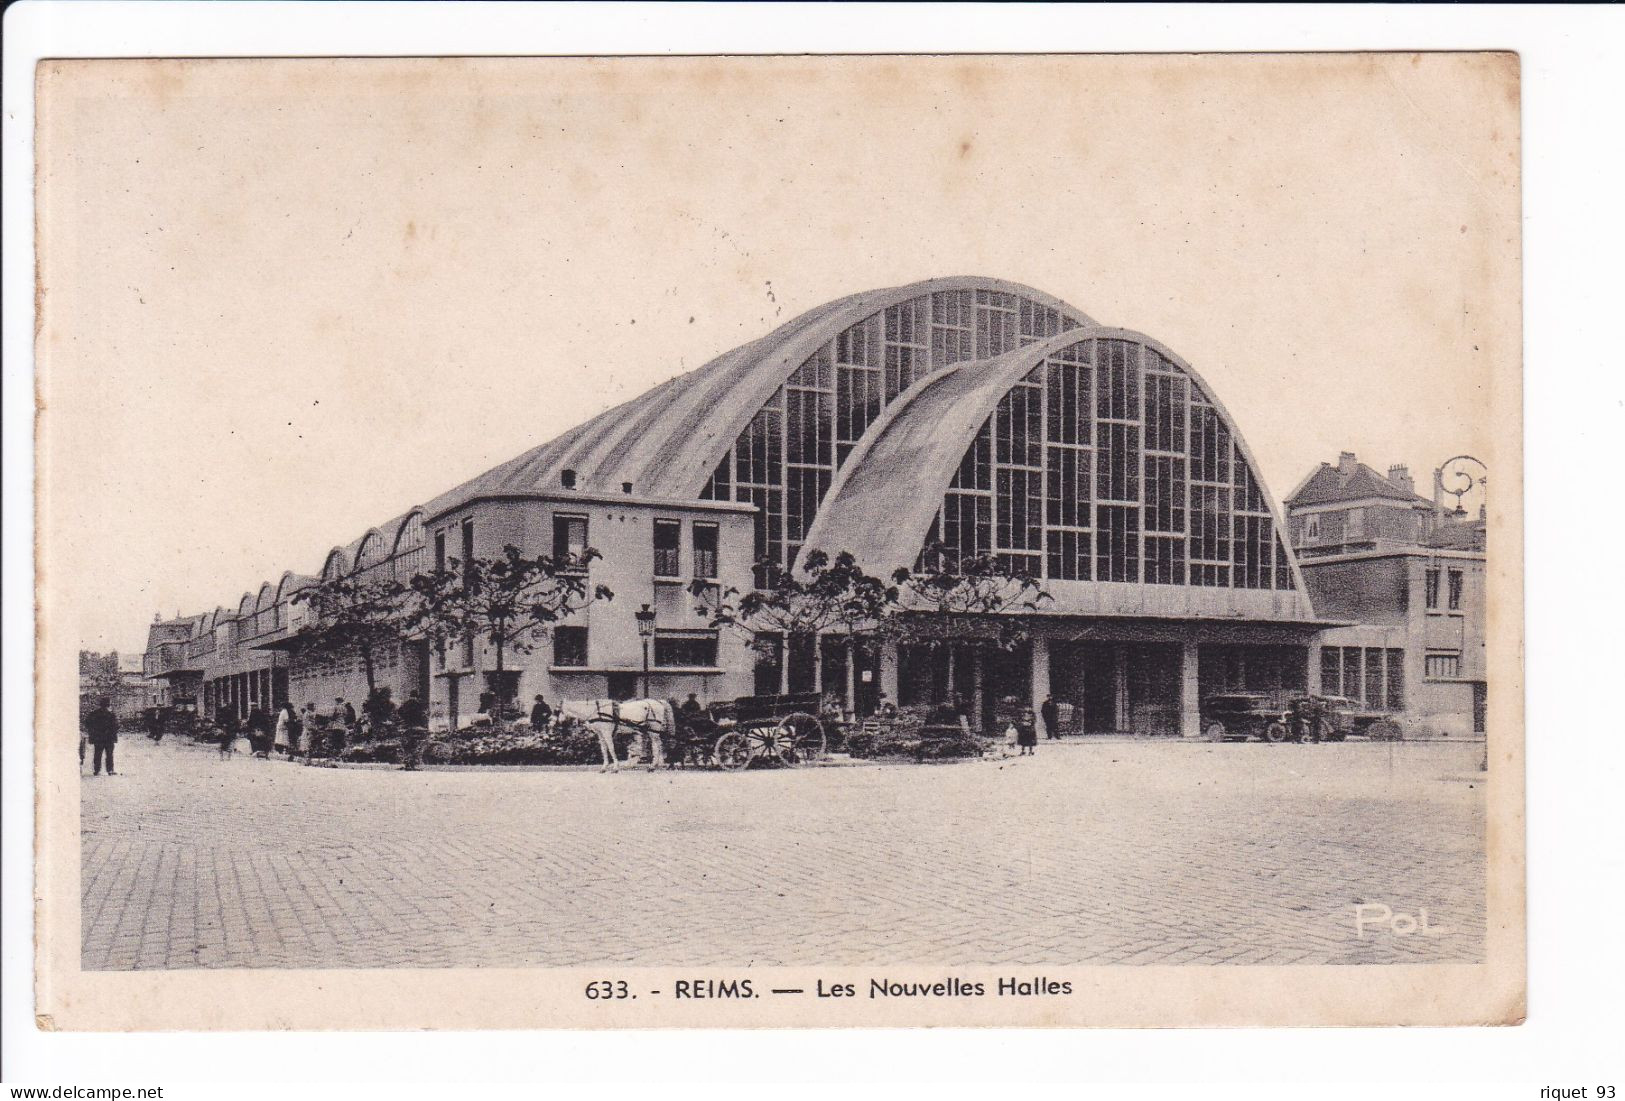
101, 729
283, 740
414, 729
1052, 717
348, 713
312, 732
226, 720
541, 715
259, 733
1026, 734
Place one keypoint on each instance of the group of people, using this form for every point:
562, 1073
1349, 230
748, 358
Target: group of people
308, 734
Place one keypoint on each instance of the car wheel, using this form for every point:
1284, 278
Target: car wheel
1275, 732
1214, 732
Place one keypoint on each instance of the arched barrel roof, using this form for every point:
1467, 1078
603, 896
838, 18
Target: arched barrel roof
667, 441
929, 429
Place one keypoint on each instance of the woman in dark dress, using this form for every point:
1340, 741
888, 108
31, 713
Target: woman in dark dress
1027, 734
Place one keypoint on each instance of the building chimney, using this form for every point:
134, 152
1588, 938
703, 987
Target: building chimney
1400, 475
1347, 464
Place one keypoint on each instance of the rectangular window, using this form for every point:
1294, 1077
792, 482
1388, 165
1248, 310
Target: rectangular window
1396, 680
1117, 463
1455, 590
1069, 555
1430, 583
1117, 543
705, 550
1443, 666
439, 550
569, 537
668, 552
1352, 679
694, 651
570, 646
1331, 671
1164, 560
1375, 694
769, 650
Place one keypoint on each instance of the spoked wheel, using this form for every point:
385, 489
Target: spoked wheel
1214, 732
801, 739
733, 751
1275, 732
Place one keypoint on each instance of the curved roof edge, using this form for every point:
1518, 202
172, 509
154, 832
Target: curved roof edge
687, 479
932, 418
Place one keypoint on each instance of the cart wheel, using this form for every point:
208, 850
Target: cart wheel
1275, 732
733, 751
1214, 732
801, 739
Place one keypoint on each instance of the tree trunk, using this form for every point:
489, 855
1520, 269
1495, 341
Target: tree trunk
852, 675
366, 665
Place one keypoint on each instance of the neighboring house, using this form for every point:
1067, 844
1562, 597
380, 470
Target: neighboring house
1409, 574
119, 679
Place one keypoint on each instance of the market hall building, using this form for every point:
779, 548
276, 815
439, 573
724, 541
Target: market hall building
975, 413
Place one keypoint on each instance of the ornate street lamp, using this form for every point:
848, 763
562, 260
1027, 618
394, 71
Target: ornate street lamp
1459, 476
646, 631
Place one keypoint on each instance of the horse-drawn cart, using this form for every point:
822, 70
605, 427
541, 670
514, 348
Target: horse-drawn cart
780, 729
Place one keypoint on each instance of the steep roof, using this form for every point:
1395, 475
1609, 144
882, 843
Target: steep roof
171, 630
1329, 485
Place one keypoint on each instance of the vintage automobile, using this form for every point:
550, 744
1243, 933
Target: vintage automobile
1238, 716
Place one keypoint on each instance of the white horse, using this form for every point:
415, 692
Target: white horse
605, 717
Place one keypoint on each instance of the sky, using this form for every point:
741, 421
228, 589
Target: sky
285, 301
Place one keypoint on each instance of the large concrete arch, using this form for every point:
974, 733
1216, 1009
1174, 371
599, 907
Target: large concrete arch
927, 430
668, 441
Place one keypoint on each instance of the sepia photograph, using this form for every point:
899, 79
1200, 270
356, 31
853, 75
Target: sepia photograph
752, 541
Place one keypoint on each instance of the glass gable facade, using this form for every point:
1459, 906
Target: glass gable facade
785, 460
1140, 480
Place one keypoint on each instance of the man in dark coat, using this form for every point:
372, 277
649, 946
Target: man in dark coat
692, 705
1052, 718
101, 726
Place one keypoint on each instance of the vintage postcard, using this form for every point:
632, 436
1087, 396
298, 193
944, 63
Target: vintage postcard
779, 541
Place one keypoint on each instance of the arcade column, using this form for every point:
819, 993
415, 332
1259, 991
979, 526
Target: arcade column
888, 672
1190, 695
1040, 673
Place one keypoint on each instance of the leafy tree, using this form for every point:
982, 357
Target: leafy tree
510, 601
353, 614
958, 598
819, 595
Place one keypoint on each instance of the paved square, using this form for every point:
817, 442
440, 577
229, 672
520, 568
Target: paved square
1096, 853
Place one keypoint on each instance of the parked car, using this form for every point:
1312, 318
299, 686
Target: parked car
1237, 716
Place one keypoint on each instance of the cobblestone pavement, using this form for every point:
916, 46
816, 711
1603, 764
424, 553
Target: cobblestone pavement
1111, 852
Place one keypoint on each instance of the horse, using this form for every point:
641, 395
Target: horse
605, 717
